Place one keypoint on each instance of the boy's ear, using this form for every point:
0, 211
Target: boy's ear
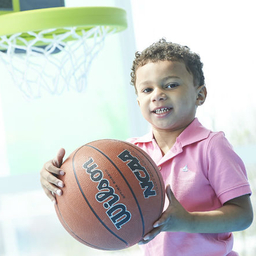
201, 95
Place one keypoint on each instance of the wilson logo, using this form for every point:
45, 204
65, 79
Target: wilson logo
117, 212
140, 173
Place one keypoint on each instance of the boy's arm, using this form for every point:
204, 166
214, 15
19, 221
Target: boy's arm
234, 215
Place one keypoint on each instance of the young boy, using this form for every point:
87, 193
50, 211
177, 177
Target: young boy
206, 184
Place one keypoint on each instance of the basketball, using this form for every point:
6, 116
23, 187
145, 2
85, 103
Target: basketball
113, 194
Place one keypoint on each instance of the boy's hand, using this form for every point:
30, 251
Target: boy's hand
175, 218
49, 182
234, 215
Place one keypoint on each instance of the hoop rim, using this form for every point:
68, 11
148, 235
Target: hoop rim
60, 17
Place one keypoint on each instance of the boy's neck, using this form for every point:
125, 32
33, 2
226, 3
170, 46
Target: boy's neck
166, 139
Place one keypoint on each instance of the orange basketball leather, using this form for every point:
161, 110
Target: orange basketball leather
113, 194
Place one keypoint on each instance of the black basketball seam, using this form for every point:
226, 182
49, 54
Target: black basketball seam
149, 159
70, 230
89, 203
141, 215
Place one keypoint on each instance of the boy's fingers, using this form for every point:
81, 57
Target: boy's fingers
49, 189
49, 182
50, 167
51, 179
150, 236
50, 195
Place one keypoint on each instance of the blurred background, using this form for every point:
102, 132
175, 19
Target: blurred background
31, 132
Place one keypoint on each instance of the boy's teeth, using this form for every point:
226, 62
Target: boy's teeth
162, 110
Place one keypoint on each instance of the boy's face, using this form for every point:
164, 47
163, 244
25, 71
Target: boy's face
167, 96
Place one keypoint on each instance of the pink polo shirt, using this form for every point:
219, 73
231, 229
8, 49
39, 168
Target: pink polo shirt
204, 172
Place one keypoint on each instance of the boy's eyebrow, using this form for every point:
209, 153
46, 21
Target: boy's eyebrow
144, 83
169, 77
163, 80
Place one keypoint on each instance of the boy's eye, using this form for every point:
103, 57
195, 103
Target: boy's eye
147, 90
172, 85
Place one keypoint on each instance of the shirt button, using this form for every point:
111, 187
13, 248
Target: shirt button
159, 168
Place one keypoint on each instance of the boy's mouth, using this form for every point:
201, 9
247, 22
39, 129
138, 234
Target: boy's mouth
161, 110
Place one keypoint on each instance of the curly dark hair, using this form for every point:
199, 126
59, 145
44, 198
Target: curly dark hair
163, 50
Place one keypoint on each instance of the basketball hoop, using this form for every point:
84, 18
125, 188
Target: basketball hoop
51, 50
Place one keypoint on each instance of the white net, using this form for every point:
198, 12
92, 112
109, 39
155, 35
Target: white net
39, 69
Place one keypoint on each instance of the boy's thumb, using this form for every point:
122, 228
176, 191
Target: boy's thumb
60, 156
170, 194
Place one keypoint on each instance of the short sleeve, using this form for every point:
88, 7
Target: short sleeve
226, 170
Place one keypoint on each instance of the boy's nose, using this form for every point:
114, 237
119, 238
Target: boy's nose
158, 95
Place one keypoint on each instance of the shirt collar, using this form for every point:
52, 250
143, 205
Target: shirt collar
145, 138
193, 133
